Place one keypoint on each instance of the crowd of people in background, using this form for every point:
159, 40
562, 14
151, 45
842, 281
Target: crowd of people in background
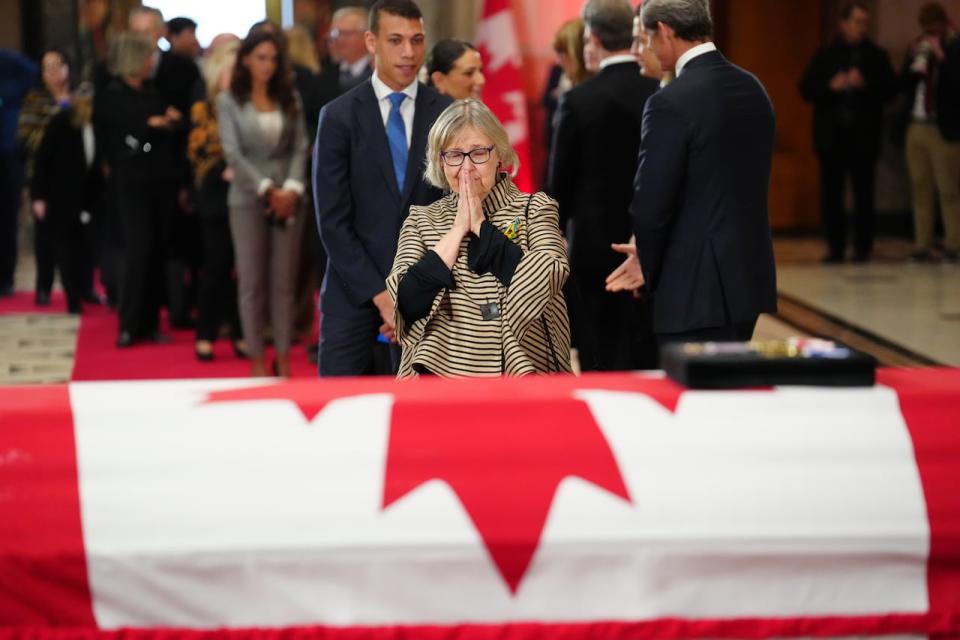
228, 184
850, 81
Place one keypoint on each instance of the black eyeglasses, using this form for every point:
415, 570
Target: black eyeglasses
477, 156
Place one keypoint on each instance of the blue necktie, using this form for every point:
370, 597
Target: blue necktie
397, 138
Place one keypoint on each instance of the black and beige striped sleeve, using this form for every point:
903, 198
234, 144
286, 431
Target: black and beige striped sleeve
411, 248
542, 271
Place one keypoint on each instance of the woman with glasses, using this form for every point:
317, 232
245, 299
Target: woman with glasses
478, 274
52, 95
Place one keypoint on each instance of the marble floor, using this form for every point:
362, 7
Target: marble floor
904, 314
913, 309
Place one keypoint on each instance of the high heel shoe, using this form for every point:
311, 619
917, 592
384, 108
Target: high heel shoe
281, 367
203, 350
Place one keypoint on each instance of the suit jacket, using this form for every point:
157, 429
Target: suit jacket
946, 87
700, 201
594, 161
62, 176
858, 112
136, 153
251, 159
359, 206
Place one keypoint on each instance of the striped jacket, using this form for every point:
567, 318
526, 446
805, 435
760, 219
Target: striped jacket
532, 332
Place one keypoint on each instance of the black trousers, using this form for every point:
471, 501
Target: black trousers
217, 297
736, 332
847, 160
44, 251
145, 210
10, 186
69, 254
349, 346
615, 330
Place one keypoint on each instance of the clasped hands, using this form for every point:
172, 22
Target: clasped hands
469, 210
281, 203
851, 79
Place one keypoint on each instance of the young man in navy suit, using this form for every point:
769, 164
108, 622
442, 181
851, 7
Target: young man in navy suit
700, 195
368, 171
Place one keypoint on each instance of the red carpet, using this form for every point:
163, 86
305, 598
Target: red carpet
22, 302
97, 357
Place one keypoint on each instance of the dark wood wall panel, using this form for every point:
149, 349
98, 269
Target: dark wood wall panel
774, 40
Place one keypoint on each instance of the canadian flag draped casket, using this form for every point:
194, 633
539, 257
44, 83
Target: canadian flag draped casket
601, 506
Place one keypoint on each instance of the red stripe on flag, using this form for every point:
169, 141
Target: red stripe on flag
930, 403
662, 629
43, 567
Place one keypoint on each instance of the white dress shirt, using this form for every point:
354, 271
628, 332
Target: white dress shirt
271, 127
606, 62
355, 68
692, 53
406, 107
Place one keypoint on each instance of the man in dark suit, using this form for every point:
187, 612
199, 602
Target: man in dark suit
700, 202
368, 171
848, 81
348, 48
592, 165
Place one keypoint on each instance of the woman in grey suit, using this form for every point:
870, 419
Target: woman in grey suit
265, 143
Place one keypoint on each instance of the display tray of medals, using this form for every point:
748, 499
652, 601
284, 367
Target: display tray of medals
794, 361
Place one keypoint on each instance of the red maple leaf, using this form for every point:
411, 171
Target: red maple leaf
502, 445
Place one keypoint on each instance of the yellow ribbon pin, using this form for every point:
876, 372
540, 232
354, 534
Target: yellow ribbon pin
513, 229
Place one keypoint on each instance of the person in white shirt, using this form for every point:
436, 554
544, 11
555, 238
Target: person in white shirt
700, 194
368, 171
265, 143
348, 48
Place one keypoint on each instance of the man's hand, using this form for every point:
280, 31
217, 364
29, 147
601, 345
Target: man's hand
840, 81
856, 79
39, 209
628, 276
387, 311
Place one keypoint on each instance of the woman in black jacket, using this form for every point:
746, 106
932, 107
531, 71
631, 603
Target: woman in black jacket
66, 186
137, 131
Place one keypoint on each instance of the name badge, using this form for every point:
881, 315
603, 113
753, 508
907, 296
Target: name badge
490, 311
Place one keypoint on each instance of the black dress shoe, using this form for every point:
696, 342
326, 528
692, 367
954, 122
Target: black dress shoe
160, 338
42, 298
74, 307
832, 258
239, 351
861, 257
125, 340
92, 297
6, 291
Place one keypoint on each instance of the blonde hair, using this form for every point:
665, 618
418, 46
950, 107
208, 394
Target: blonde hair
129, 51
301, 48
221, 58
569, 41
461, 115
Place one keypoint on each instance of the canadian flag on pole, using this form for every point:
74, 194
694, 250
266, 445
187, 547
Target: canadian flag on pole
500, 48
